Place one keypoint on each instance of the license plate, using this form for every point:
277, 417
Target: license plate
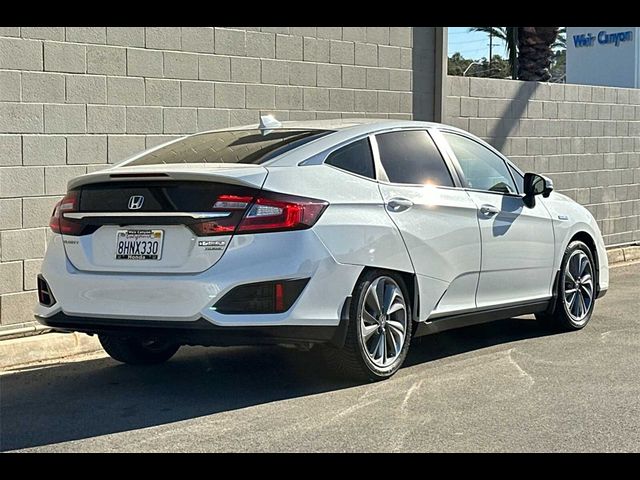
139, 244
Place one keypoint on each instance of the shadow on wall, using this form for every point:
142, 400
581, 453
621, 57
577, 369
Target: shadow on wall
423, 63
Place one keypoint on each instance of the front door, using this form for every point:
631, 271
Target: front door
517, 241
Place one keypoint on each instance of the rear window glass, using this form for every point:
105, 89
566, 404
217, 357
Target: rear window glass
234, 146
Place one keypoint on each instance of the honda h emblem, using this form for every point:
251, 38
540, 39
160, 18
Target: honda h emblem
135, 202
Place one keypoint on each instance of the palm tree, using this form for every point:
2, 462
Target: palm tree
529, 49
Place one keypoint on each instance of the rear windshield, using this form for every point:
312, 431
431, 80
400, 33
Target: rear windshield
234, 146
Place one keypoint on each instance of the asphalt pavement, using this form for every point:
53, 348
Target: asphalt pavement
504, 386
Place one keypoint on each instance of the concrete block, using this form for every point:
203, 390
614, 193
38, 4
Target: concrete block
106, 119
10, 84
615, 255
181, 65
288, 47
261, 96
354, 34
388, 57
10, 213
453, 106
377, 78
229, 95
632, 253
86, 34
31, 270
366, 101
20, 54
82, 149
86, 89
10, 31
121, 147
17, 307
378, 35
303, 31
144, 119
155, 140
535, 109
316, 99
388, 102
162, 92
180, 120
214, 68
163, 38
36, 211
58, 177
406, 103
197, 39
230, 42
21, 244
289, 98
284, 30
622, 96
302, 73
400, 80
10, 150
262, 45
331, 33
144, 63
341, 100
469, 107
302, 116
43, 87
329, 75
316, 50
106, 60
597, 94
245, 70
342, 52
400, 36
242, 117
21, 118
65, 118
571, 93
64, 57
10, 277
197, 94
125, 91
406, 59
212, 119
126, 36
353, 77
275, 72
44, 150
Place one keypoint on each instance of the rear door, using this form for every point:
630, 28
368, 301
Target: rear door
159, 222
517, 241
436, 219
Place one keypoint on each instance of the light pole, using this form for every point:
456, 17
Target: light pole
475, 62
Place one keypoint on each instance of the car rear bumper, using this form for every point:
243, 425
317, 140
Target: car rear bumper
187, 298
198, 332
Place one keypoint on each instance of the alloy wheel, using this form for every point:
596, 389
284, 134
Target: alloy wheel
578, 289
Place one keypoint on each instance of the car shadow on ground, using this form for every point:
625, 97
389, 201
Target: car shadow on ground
77, 400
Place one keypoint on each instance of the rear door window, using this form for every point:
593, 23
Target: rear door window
355, 158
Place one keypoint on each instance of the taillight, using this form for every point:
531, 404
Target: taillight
276, 213
266, 213
58, 222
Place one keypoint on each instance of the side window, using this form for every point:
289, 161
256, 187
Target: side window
517, 176
410, 156
483, 169
355, 158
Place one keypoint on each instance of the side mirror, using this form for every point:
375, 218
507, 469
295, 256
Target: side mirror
535, 184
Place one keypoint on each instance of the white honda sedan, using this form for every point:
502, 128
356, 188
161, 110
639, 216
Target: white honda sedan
352, 235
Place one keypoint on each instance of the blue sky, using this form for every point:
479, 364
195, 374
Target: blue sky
473, 45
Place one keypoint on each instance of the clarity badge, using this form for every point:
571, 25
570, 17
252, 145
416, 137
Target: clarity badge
212, 244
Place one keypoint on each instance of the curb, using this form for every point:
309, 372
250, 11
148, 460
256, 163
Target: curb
623, 254
45, 348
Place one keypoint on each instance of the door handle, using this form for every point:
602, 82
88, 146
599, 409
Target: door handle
489, 210
399, 204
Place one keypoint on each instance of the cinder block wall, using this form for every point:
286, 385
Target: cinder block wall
73, 99
587, 139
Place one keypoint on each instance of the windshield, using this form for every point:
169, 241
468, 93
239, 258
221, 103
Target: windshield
234, 146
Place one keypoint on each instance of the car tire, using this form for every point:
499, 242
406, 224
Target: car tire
135, 351
369, 354
575, 292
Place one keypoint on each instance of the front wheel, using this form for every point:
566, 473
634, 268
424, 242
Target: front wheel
576, 289
379, 331
136, 351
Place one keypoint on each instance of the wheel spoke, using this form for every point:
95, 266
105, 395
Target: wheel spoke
568, 277
570, 291
395, 307
396, 326
396, 341
373, 301
369, 319
583, 264
368, 331
583, 306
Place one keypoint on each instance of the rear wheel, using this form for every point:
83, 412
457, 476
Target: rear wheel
576, 290
136, 351
379, 331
